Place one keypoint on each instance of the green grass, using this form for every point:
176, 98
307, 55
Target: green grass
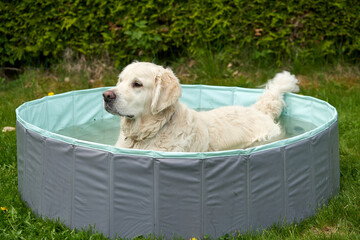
337, 84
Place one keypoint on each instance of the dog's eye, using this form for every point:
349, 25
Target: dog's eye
137, 84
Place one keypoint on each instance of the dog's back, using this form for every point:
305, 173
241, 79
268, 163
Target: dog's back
235, 127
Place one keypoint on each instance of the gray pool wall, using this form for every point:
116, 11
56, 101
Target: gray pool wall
128, 195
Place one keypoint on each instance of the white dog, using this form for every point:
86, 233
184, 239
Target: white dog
147, 98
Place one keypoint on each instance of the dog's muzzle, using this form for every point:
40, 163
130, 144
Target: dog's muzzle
109, 99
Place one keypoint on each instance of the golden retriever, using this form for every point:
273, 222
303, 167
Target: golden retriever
147, 98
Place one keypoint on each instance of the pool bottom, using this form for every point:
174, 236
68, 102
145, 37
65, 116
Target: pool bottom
129, 195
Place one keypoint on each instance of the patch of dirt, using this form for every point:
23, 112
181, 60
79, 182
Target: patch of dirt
307, 82
326, 230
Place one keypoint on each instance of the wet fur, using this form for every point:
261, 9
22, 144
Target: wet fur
154, 119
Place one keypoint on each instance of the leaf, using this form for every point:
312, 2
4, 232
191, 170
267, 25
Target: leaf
141, 24
68, 23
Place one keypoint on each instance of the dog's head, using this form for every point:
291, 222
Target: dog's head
143, 88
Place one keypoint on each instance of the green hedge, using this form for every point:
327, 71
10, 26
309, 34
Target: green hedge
143, 29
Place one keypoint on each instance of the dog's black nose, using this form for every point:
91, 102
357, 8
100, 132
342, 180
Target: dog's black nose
109, 96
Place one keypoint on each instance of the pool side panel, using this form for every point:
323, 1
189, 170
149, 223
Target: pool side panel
298, 180
179, 197
21, 149
321, 164
335, 158
91, 189
57, 184
225, 195
133, 200
266, 176
33, 174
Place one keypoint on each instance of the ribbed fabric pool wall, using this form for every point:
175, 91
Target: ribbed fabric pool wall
128, 195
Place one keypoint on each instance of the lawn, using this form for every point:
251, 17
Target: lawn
337, 84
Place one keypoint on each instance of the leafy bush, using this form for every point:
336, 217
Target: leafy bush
144, 29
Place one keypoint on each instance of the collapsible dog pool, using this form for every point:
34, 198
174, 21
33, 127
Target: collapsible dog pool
123, 192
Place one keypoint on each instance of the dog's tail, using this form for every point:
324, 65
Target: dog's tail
271, 101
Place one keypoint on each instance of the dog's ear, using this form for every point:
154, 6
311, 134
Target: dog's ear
166, 92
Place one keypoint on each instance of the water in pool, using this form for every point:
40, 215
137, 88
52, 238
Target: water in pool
106, 131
